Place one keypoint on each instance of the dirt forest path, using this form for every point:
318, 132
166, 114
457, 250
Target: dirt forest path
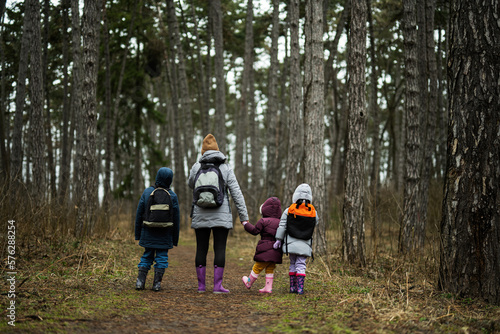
181, 309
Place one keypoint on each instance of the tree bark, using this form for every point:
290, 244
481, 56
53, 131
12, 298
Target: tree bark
220, 90
442, 119
294, 142
272, 109
66, 112
76, 100
3, 131
118, 96
241, 120
256, 145
374, 112
204, 89
470, 233
46, 91
184, 96
424, 133
428, 144
180, 182
284, 111
314, 115
36, 97
106, 203
138, 184
412, 146
17, 131
88, 176
353, 239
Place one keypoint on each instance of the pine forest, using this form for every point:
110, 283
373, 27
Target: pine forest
389, 110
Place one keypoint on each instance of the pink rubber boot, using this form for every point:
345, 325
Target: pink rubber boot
248, 280
269, 284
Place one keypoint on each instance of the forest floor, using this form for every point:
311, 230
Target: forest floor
88, 287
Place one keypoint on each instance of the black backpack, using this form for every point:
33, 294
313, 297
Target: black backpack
159, 209
209, 187
300, 222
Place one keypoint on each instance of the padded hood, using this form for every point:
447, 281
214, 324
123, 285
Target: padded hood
164, 177
271, 208
303, 191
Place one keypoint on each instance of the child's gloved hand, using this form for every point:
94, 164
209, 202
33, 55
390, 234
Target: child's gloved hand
244, 222
277, 244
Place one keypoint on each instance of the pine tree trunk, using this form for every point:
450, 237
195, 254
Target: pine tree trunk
46, 91
76, 103
241, 120
283, 115
272, 109
470, 231
314, 114
339, 123
256, 145
412, 146
220, 91
209, 76
400, 150
337, 119
428, 145
66, 112
204, 91
184, 96
353, 240
333, 46
118, 95
138, 185
180, 182
17, 131
3, 131
442, 119
109, 123
294, 141
374, 112
424, 133
88, 176
36, 98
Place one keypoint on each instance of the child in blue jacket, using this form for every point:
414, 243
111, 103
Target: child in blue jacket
155, 238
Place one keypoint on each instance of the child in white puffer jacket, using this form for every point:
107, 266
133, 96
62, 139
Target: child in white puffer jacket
294, 234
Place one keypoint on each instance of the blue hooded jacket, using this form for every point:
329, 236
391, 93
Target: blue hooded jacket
151, 237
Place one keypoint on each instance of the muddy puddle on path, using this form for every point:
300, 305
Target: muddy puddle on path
179, 308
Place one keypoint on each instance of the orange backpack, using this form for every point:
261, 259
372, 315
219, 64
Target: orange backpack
301, 220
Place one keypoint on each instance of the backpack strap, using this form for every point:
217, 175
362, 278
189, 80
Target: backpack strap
286, 243
300, 201
157, 188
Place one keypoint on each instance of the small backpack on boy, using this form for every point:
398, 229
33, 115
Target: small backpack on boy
159, 209
209, 187
301, 220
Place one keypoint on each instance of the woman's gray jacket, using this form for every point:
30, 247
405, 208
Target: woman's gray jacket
219, 216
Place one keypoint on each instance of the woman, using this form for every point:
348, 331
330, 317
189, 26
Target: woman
212, 215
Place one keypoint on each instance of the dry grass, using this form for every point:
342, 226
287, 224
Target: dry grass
390, 295
63, 279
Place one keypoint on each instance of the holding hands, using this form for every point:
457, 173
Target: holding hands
277, 244
244, 222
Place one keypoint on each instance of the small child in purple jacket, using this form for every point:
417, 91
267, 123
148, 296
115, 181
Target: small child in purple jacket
266, 257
